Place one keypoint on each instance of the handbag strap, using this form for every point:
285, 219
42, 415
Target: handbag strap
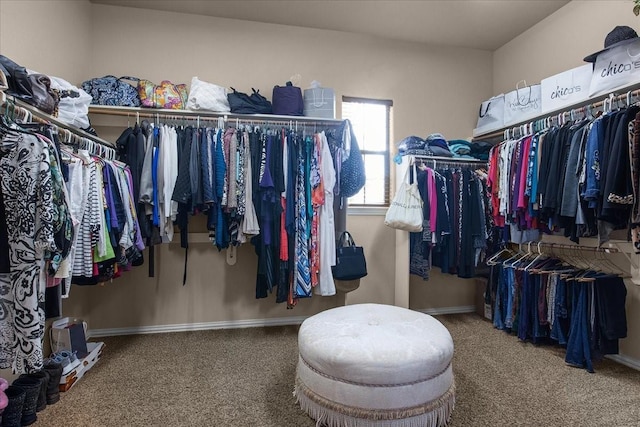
133, 79
407, 177
480, 113
415, 173
346, 239
518, 93
316, 103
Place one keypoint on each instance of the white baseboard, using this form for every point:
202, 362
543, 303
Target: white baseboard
248, 323
226, 324
625, 360
448, 310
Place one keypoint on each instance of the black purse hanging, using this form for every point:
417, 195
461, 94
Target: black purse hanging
350, 261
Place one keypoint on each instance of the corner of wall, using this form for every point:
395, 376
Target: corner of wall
61, 50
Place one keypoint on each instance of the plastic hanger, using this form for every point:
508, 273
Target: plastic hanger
493, 259
519, 255
518, 262
540, 254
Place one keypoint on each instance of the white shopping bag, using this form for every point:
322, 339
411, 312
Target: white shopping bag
616, 68
522, 104
567, 88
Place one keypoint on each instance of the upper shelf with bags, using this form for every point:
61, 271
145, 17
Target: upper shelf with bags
613, 70
28, 96
204, 97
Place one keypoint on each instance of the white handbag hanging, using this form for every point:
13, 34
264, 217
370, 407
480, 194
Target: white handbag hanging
405, 211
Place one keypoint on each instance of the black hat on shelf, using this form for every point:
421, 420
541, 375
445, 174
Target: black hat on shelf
619, 36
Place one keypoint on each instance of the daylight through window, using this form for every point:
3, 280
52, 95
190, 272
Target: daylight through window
370, 120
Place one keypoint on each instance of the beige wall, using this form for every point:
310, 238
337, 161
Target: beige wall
423, 82
377, 241
433, 90
559, 42
50, 37
542, 51
429, 86
215, 292
441, 292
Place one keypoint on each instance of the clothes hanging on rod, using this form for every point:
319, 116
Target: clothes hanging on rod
456, 218
42, 219
30, 212
548, 300
268, 184
67, 132
574, 176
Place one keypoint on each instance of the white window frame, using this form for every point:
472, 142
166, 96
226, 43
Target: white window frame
385, 153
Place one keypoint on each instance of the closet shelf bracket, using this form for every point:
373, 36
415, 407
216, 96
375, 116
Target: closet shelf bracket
628, 251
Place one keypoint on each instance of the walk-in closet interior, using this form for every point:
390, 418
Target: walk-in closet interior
435, 83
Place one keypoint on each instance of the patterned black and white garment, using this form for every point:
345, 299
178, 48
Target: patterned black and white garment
28, 203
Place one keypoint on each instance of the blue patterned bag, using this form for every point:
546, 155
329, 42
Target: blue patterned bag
110, 90
352, 174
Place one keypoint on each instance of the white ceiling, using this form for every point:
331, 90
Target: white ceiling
480, 24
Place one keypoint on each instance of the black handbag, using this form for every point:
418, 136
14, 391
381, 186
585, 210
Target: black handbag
17, 79
241, 103
350, 261
44, 98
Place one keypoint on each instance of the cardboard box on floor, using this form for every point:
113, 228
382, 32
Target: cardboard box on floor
70, 334
69, 379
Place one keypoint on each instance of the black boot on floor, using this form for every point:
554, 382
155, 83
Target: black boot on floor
43, 377
32, 387
53, 389
12, 414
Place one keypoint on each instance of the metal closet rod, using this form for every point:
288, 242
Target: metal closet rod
208, 115
538, 245
442, 159
63, 128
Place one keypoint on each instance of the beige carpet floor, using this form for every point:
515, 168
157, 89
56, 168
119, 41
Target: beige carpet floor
244, 378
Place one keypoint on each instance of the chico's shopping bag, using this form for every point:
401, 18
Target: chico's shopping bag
566, 88
615, 68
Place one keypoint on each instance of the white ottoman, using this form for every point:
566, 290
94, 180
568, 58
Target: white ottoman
374, 365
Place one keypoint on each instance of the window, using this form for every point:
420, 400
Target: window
370, 120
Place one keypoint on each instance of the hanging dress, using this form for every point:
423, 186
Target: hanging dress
28, 203
327, 286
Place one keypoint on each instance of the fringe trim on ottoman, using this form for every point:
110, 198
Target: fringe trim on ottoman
435, 413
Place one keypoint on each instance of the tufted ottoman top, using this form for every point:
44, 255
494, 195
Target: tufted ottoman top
375, 344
